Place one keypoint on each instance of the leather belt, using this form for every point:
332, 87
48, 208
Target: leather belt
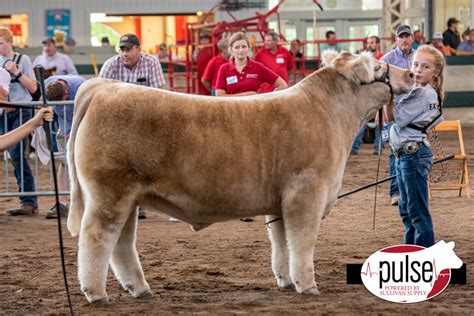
410, 148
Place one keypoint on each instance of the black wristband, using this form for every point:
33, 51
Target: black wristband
18, 76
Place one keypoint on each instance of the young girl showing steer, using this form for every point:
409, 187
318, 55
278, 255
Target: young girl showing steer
415, 115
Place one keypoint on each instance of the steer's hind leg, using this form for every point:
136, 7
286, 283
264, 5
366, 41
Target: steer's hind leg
302, 208
126, 263
276, 233
100, 230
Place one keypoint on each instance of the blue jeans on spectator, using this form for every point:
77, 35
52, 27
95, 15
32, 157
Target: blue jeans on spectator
412, 176
358, 140
378, 135
17, 153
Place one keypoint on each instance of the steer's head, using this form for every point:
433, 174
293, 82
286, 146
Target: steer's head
364, 69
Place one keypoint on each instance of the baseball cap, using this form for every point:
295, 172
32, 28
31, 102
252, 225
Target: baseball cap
437, 35
452, 21
48, 40
128, 40
403, 29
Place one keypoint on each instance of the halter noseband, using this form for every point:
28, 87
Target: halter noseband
385, 78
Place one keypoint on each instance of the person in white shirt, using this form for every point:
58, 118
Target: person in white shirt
54, 63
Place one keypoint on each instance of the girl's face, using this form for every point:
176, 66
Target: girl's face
240, 49
423, 68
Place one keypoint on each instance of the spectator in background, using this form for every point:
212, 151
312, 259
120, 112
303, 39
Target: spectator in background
373, 46
417, 39
22, 83
241, 76
105, 42
203, 56
62, 88
209, 78
401, 56
54, 63
437, 42
331, 44
276, 57
451, 36
295, 50
163, 53
133, 66
467, 47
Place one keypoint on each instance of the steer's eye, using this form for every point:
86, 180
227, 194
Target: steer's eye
377, 68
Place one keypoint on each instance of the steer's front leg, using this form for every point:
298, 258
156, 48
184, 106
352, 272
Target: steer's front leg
302, 208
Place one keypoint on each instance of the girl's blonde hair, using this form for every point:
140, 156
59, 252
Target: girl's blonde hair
438, 81
237, 37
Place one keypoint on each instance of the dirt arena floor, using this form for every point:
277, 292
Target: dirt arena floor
225, 269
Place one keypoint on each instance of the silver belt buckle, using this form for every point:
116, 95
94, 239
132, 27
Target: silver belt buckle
410, 147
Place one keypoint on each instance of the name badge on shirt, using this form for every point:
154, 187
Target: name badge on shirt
280, 60
231, 80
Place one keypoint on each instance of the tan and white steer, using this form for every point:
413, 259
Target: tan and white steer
204, 160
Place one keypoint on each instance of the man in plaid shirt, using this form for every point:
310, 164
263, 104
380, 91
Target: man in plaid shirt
132, 65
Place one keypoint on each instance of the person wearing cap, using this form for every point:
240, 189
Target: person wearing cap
437, 42
22, 84
54, 62
451, 36
132, 65
467, 47
401, 56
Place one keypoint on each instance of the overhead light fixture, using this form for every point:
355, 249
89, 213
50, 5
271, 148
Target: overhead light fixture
199, 13
103, 18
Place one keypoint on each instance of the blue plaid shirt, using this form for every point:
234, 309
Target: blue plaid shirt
397, 58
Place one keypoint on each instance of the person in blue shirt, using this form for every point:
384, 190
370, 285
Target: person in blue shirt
62, 88
401, 56
415, 115
467, 47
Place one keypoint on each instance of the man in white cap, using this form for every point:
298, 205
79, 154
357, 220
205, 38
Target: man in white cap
437, 41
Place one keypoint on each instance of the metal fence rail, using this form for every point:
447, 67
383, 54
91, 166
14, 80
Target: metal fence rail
43, 178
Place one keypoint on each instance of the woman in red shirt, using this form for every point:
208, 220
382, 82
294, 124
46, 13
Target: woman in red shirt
242, 76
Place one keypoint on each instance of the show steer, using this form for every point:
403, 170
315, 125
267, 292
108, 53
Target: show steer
204, 160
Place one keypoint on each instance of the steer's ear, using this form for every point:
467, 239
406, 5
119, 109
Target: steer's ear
359, 69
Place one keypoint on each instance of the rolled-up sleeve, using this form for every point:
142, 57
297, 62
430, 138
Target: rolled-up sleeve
409, 108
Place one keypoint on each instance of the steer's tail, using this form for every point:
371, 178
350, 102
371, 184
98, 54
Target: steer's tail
81, 103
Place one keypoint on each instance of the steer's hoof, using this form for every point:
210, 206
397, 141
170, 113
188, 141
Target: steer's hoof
311, 291
144, 295
96, 299
284, 283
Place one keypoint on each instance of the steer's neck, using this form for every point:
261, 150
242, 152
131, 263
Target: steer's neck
346, 103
